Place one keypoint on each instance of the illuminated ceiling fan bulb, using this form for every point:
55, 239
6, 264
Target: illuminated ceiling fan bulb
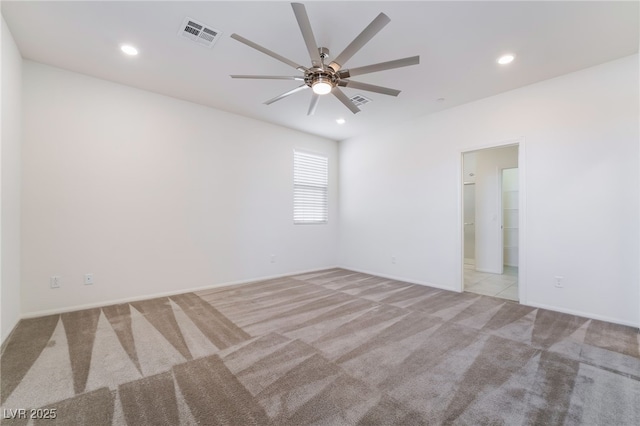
505, 59
129, 50
321, 87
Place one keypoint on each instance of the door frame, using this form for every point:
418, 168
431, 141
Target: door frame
522, 198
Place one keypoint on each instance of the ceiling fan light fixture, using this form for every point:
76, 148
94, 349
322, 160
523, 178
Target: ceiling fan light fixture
506, 59
321, 86
129, 50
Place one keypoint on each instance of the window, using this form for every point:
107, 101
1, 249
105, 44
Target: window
310, 182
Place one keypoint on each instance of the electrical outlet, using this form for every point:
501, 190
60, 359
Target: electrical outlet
54, 281
559, 281
273, 258
393, 259
88, 279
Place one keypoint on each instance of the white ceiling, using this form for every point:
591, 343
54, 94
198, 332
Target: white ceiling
458, 43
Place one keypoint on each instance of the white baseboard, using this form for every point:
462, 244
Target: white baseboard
532, 304
6, 338
42, 313
582, 314
397, 278
36, 314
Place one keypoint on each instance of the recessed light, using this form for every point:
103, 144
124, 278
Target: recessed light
506, 59
129, 50
341, 121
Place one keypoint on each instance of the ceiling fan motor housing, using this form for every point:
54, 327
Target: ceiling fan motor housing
319, 75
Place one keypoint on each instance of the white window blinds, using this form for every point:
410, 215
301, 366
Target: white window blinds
310, 182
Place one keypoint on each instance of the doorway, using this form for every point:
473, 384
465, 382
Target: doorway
491, 231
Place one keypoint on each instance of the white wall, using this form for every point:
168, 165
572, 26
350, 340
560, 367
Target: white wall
10, 183
400, 190
489, 164
155, 195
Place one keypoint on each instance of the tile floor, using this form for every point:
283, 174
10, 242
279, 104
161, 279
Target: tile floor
504, 286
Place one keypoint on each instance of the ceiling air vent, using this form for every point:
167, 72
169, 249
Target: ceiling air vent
359, 100
199, 32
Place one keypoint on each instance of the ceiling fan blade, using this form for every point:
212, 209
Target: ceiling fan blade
345, 100
284, 95
369, 87
398, 63
269, 77
267, 52
363, 38
307, 33
314, 104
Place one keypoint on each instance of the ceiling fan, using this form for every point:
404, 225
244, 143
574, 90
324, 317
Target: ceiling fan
325, 78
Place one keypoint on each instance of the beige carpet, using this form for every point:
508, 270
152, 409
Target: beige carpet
332, 348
